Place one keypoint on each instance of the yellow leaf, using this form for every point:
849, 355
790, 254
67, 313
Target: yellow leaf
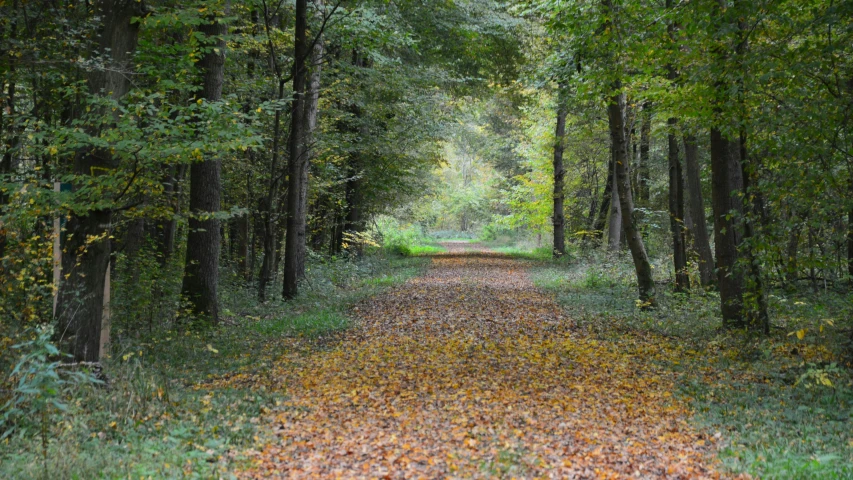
210, 347
801, 333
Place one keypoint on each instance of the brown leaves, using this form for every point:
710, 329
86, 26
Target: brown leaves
469, 372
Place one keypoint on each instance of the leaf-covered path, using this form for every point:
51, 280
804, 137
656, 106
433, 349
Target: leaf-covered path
470, 372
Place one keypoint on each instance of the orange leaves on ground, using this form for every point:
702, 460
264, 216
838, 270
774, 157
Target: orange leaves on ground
470, 372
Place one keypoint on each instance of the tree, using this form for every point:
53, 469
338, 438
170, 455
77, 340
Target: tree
559, 175
297, 167
86, 252
201, 273
696, 204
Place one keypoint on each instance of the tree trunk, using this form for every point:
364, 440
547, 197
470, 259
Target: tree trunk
559, 175
676, 211
201, 272
7, 109
606, 197
298, 161
726, 184
755, 300
311, 109
614, 230
696, 203
269, 213
86, 253
850, 236
240, 242
615, 114
645, 155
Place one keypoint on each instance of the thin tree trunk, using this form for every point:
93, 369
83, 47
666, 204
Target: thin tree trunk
297, 165
606, 197
201, 272
269, 213
614, 230
559, 175
645, 282
643, 193
311, 110
86, 253
7, 109
676, 211
757, 315
696, 203
240, 241
850, 237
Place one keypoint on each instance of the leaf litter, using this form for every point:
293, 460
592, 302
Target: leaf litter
470, 372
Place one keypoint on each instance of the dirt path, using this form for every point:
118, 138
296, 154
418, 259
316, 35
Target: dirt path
470, 372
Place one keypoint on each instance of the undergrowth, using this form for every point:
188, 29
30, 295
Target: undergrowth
160, 415
781, 405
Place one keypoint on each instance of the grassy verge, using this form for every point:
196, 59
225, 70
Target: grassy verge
540, 254
166, 412
781, 405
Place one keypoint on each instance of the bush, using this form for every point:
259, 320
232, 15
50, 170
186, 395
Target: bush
404, 238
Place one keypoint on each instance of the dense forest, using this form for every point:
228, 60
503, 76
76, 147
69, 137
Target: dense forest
198, 199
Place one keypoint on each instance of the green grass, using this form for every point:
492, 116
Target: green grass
166, 413
417, 250
541, 254
762, 394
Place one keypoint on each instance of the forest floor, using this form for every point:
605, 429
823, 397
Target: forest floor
471, 371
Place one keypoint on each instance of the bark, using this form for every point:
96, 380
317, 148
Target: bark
269, 212
606, 198
615, 113
298, 161
676, 211
614, 230
167, 229
86, 253
559, 176
7, 109
757, 316
201, 272
645, 150
311, 110
240, 244
726, 184
850, 237
696, 204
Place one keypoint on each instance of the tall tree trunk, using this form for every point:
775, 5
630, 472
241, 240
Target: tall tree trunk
240, 242
269, 213
676, 211
614, 230
312, 101
298, 161
696, 203
850, 235
643, 180
755, 301
201, 272
606, 197
86, 253
615, 114
7, 127
559, 175
726, 184
676, 184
